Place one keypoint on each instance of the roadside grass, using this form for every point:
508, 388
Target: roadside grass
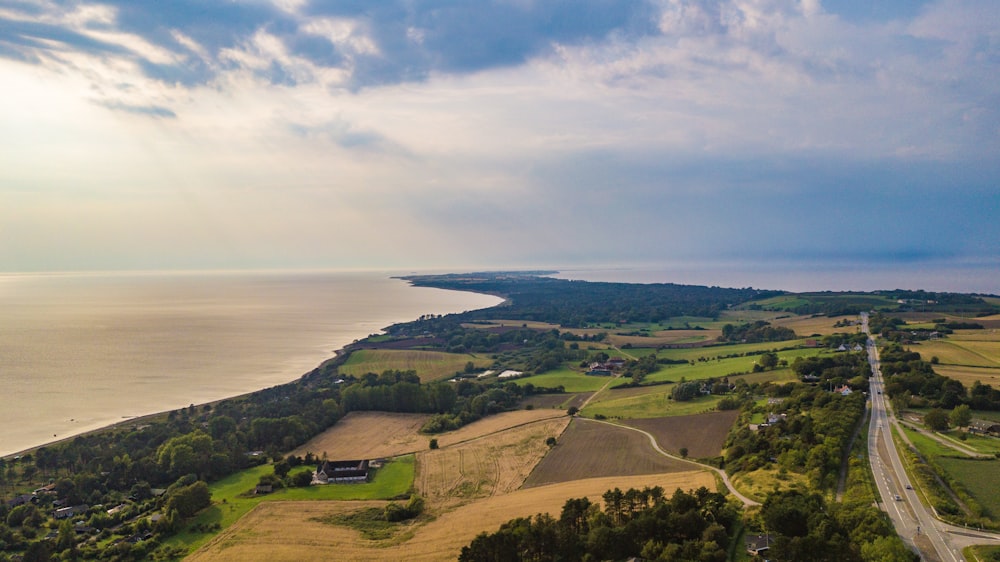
982, 444
570, 380
232, 497
929, 446
429, 365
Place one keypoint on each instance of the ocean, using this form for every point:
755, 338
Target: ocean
79, 351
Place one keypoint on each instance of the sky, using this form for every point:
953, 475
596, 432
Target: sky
214, 134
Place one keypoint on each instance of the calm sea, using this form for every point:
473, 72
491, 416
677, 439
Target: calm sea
81, 351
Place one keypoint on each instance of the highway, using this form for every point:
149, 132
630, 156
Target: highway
915, 524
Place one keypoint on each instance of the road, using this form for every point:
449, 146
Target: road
915, 524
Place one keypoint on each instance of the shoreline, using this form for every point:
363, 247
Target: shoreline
336, 355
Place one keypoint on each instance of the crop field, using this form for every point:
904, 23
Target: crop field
806, 326
969, 375
494, 424
703, 435
294, 531
570, 380
561, 401
664, 337
484, 467
369, 435
979, 477
964, 353
429, 365
647, 402
591, 449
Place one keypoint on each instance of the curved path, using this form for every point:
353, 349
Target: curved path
656, 446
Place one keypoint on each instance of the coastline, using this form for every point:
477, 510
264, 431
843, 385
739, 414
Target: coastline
277, 328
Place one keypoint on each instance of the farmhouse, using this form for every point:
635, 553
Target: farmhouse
758, 545
341, 472
984, 427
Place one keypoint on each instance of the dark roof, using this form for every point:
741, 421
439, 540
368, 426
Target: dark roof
758, 543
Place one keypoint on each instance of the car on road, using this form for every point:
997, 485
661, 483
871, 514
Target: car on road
899, 499
908, 487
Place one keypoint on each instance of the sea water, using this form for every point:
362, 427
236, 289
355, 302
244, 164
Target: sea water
80, 351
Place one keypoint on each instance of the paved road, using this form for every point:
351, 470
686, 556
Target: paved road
915, 524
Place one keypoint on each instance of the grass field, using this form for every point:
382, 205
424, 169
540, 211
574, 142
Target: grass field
979, 477
703, 435
646, 402
429, 365
590, 449
758, 483
957, 352
572, 381
294, 531
232, 497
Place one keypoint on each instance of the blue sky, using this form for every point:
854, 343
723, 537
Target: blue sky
139, 134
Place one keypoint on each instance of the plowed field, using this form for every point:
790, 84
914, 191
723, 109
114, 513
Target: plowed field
591, 449
703, 434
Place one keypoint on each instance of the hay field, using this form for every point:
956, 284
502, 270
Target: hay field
806, 326
964, 353
481, 468
429, 365
969, 375
494, 424
703, 435
593, 449
369, 435
291, 531
666, 337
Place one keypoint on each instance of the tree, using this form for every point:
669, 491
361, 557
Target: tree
684, 452
434, 444
936, 419
961, 416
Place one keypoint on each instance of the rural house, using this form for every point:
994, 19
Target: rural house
341, 472
984, 427
758, 545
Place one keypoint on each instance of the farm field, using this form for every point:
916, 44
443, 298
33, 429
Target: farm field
481, 468
806, 326
429, 365
561, 401
369, 435
293, 531
592, 449
570, 380
979, 477
646, 402
664, 337
703, 435
958, 352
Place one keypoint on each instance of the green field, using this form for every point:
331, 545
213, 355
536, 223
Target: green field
429, 365
232, 497
654, 402
979, 477
572, 381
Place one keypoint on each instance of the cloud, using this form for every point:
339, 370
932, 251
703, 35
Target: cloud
149, 110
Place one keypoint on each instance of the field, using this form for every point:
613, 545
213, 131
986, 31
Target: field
591, 449
293, 531
758, 483
369, 435
481, 468
956, 352
806, 326
570, 380
703, 435
664, 337
646, 402
979, 478
429, 365
561, 401
372, 435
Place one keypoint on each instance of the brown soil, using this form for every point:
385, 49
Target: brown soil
704, 435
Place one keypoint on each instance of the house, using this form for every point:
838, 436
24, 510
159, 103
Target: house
843, 390
67, 512
341, 472
758, 545
262, 489
984, 427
